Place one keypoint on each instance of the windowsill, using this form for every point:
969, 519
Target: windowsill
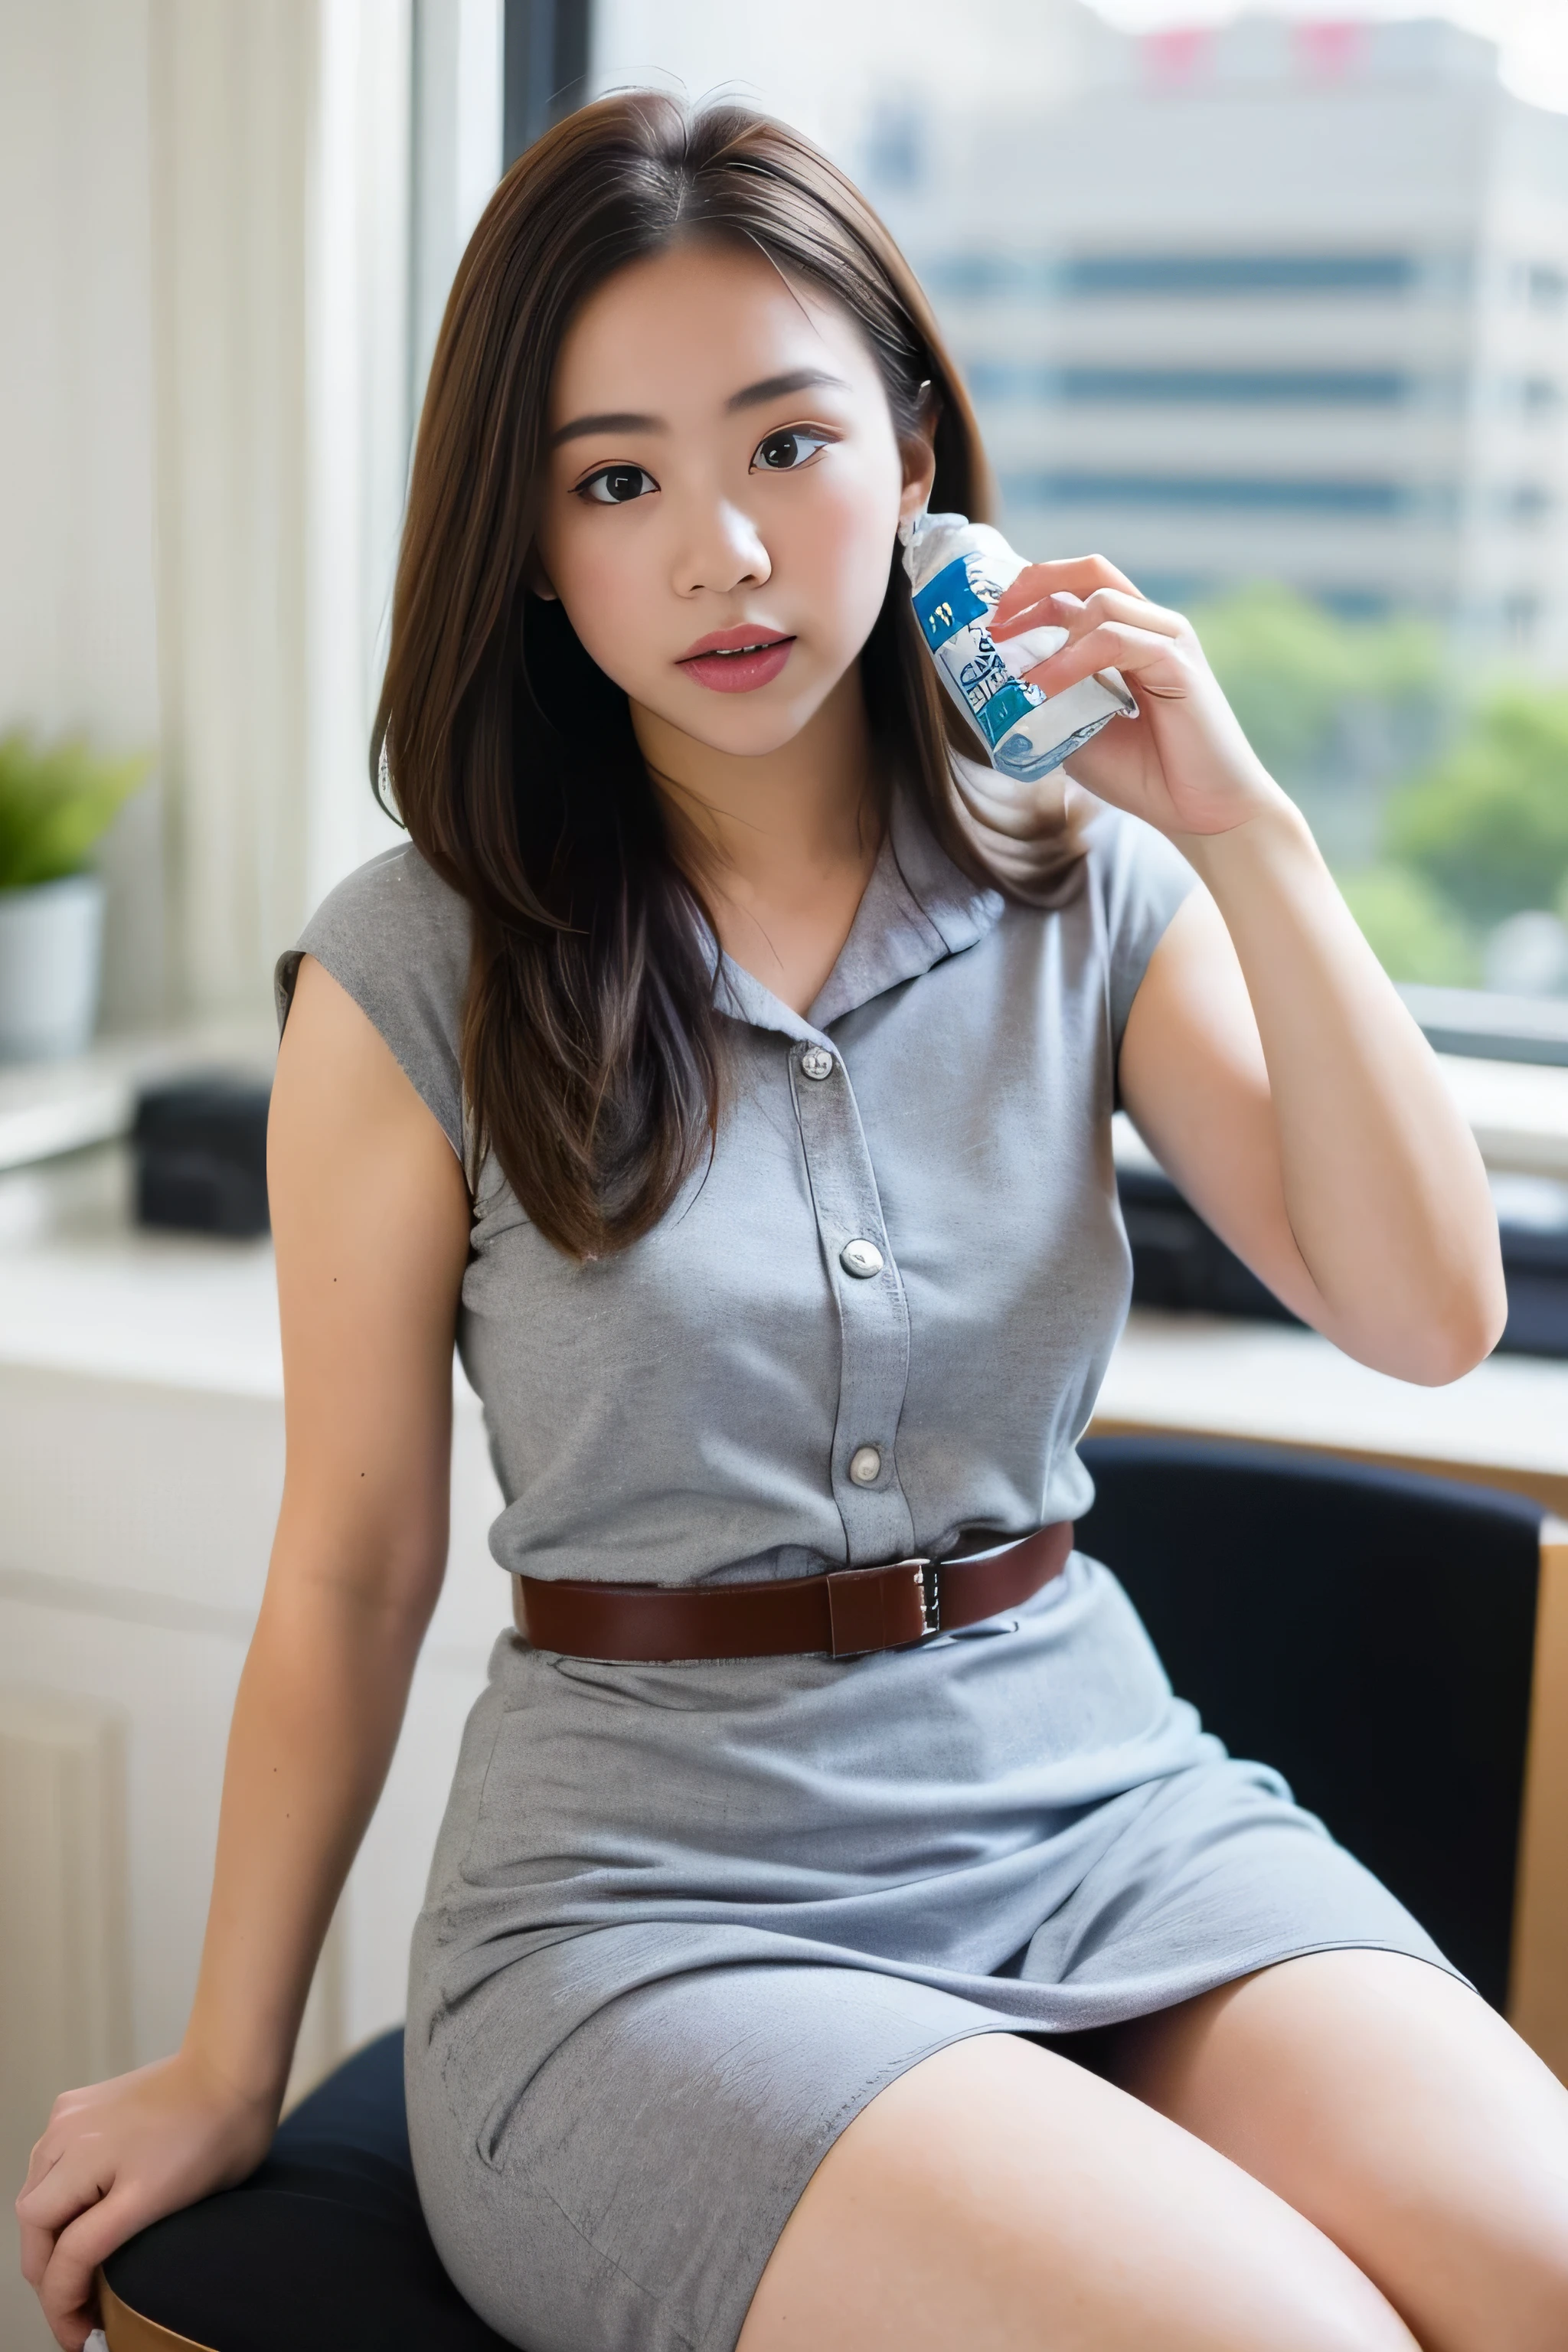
1505, 1423
86, 1291
47, 1109
1518, 1112
1481, 1026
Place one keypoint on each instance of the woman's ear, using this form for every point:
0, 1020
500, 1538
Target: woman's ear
919, 450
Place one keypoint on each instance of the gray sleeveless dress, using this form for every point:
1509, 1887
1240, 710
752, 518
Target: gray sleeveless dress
684, 1921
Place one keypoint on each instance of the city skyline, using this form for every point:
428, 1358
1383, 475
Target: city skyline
1532, 35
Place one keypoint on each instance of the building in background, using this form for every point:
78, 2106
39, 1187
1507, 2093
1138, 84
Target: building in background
1269, 302
1274, 300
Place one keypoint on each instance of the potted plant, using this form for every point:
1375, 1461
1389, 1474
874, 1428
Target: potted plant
55, 803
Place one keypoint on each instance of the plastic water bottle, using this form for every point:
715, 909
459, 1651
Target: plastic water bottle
958, 571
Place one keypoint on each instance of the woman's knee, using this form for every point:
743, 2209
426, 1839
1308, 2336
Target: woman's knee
999, 2196
1389, 2103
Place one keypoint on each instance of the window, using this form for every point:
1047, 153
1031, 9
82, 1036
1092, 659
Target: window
545, 47
1195, 386
1240, 275
1525, 502
989, 275
1257, 415
1234, 492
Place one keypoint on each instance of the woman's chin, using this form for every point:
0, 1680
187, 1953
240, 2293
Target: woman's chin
745, 726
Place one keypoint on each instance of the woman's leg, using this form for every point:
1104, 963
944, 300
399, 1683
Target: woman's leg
1395, 2110
998, 2198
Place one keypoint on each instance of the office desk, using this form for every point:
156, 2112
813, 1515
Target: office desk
1504, 1425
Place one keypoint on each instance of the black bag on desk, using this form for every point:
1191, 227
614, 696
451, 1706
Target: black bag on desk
201, 1156
1179, 1262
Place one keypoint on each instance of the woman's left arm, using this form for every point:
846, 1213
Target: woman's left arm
1267, 1060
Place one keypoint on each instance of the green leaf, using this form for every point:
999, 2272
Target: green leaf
1488, 823
55, 803
1411, 928
1296, 674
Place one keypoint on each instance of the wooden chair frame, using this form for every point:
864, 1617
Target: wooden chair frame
1538, 1968
125, 2330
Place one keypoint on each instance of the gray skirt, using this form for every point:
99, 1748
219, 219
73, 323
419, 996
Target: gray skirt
684, 1921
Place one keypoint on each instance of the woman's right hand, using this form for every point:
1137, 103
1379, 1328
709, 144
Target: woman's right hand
118, 2156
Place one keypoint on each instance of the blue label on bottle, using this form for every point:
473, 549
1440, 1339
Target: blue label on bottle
996, 699
947, 604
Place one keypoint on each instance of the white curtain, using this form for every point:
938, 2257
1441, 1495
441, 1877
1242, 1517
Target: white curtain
280, 161
218, 296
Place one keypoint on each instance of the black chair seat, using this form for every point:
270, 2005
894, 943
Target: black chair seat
324, 2247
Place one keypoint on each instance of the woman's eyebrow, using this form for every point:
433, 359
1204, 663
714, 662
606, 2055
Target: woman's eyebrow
614, 420
773, 387
628, 420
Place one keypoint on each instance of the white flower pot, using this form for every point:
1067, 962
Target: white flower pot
51, 944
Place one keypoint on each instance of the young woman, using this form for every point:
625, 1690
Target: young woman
730, 1066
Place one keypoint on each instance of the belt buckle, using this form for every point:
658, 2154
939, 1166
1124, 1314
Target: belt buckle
926, 1572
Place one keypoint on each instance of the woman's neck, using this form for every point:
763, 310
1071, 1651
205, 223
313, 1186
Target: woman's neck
782, 845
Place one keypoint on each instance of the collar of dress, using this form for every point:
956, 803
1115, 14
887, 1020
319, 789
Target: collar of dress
918, 907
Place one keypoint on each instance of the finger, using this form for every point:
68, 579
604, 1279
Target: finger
74, 2334
1080, 574
47, 2151
1140, 653
1077, 615
55, 2138
71, 2185
69, 2292
72, 2329
1113, 646
36, 2246
1134, 611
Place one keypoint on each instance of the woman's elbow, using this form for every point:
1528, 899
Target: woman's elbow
1462, 1324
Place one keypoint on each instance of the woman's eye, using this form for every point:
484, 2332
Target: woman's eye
616, 485
781, 452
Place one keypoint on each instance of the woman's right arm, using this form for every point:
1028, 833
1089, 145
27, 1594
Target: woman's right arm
370, 1218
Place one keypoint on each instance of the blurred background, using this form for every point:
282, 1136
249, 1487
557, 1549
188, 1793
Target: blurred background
1273, 309
1270, 307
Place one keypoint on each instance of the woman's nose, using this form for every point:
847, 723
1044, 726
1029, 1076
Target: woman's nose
723, 552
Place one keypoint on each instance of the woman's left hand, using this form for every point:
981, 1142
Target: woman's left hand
1183, 763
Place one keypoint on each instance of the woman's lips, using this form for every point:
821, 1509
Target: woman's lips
754, 659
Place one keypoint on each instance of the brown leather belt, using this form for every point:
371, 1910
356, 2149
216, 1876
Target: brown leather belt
846, 1613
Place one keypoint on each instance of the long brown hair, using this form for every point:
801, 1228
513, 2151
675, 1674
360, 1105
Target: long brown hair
591, 1044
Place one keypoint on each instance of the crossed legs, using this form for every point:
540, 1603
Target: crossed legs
1346, 2153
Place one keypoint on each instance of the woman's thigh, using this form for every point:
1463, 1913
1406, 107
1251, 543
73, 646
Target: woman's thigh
1396, 2111
1000, 2198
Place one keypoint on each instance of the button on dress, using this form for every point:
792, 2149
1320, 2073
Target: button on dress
684, 1921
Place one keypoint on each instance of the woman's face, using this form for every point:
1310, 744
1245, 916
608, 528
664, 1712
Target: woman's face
723, 492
